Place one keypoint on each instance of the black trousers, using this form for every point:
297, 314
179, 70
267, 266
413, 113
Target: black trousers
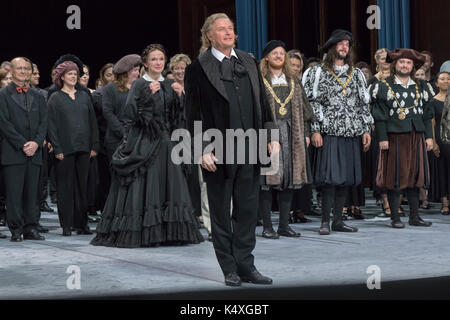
284, 202
21, 184
234, 236
71, 185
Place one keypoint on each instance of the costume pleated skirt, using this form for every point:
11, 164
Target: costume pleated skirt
338, 162
151, 208
405, 163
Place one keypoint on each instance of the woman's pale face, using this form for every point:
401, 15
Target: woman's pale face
420, 74
381, 61
70, 78
178, 71
84, 80
133, 74
367, 74
7, 80
108, 75
443, 81
156, 61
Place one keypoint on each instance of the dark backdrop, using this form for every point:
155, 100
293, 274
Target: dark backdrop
109, 30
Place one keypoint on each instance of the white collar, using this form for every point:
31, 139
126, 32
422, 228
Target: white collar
398, 81
279, 80
148, 78
219, 55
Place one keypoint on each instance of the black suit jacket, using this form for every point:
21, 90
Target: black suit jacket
207, 101
19, 124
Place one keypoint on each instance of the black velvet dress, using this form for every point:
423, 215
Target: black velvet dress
148, 202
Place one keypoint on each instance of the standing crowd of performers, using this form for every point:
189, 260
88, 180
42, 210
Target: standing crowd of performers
109, 149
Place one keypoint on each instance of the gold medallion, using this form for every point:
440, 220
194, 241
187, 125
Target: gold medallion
344, 92
282, 111
402, 116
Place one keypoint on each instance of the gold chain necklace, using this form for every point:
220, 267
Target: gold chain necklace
402, 114
344, 85
282, 109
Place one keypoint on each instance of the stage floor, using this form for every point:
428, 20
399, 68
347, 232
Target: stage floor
38, 269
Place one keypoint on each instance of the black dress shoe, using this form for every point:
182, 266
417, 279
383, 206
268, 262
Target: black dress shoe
45, 208
67, 232
85, 230
209, 237
357, 215
2, 236
397, 224
233, 280
256, 278
288, 232
418, 222
270, 234
32, 235
324, 229
342, 227
16, 237
41, 229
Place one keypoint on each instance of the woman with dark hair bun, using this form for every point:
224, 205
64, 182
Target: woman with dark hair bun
148, 202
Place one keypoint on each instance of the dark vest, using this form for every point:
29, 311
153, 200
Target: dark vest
240, 97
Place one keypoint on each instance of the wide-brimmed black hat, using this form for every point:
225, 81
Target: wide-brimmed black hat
338, 35
272, 44
73, 58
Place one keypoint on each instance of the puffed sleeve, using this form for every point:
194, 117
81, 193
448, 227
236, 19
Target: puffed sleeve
427, 94
380, 111
310, 84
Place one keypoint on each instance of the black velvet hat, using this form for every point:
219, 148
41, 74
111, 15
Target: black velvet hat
338, 35
272, 44
418, 58
73, 58
126, 63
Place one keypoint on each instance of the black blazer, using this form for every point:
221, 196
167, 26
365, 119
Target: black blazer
207, 101
18, 125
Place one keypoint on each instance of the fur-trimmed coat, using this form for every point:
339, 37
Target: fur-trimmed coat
302, 116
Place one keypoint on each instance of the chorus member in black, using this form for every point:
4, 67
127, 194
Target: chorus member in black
148, 202
224, 90
293, 117
115, 94
74, 135
340, 100
440, 155
23, 124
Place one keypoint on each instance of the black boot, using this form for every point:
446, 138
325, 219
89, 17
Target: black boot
413, 196
394, 202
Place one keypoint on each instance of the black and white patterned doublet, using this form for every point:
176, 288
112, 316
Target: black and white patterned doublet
338, 114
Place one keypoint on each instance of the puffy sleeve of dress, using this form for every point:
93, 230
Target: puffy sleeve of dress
427, 93
311, 79
380, 111
364, 98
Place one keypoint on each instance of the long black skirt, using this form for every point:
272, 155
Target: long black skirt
338, 162
151, 208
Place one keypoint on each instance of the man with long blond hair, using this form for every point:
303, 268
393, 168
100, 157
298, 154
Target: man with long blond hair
293, 115
224, 90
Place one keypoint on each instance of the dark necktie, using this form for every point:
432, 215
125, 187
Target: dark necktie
227, 69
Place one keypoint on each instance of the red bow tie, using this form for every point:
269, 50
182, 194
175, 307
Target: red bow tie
22, 89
